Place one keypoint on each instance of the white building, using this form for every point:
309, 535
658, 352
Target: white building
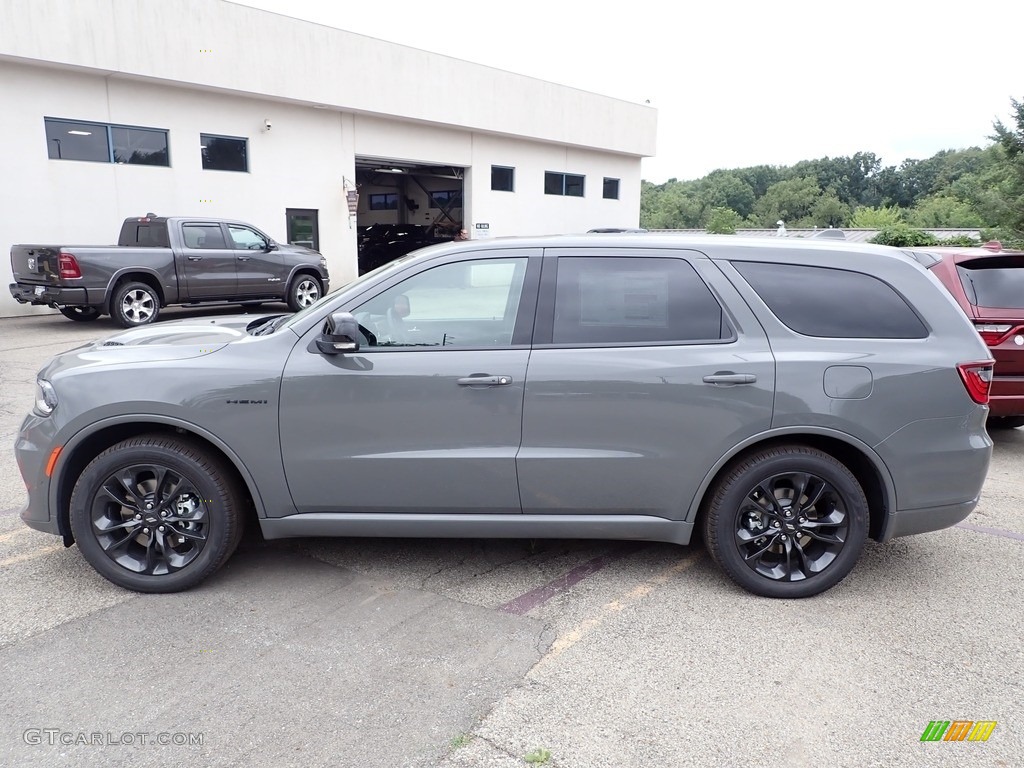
116, 108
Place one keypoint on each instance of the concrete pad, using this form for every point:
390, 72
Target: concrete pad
279, 660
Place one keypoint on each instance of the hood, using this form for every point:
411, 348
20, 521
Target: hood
174, 340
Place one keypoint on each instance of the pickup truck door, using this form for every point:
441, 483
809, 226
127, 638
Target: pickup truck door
259, 269
208, 260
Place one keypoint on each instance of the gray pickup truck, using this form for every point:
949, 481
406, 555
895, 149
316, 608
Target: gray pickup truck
161, 260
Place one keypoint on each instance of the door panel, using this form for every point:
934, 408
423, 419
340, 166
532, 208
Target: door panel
628, 428
412, 423
208, 260
259, 272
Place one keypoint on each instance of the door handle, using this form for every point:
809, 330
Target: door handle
729, 378
244, 258
483, 380
195, 258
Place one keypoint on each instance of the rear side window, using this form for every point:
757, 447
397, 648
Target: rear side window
994, 282
834, 303
633, 300
203, 236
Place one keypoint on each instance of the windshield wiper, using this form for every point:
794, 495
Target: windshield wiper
270, 326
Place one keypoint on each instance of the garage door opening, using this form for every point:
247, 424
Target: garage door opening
405, 206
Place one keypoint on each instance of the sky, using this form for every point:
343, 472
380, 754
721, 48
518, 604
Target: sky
738, 83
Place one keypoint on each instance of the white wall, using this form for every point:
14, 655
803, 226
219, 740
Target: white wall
300, 163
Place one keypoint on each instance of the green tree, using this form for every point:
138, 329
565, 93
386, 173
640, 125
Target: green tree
943, 210
1010, 140
721, 189
903, 236
876, 218
790, 200
829, 211
723, 221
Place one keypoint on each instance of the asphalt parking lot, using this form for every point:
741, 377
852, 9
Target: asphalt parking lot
372, 652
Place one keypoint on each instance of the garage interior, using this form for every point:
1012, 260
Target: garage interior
404, 206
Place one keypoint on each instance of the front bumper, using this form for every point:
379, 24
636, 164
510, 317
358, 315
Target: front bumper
32, 449
49, 295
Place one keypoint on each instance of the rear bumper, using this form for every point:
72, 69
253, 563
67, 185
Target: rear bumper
1007, 398
51, 295
907, 522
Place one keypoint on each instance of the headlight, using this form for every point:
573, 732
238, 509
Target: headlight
46, 397
323, 262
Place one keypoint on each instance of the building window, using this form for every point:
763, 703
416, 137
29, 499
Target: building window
384, 202
445, 199
567, 184
503, 179
103, 143
611, 189
224, 153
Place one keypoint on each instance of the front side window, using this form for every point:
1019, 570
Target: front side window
246, 239
224, 153
465, 304
567, 184
104, 143
602, 300
832, 303
203, 236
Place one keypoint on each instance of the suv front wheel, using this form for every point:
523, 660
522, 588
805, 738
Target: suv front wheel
789, 521
156, 513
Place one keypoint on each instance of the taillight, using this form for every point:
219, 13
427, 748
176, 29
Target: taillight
993, 333
977, 378
68, 266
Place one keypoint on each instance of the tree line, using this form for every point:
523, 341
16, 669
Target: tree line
977, 188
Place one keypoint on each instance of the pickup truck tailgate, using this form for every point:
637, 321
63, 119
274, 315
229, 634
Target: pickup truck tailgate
35, 264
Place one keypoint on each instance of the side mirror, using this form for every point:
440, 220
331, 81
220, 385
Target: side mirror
340, 335
271, 246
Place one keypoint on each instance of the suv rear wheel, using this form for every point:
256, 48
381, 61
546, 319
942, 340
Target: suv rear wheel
789, 521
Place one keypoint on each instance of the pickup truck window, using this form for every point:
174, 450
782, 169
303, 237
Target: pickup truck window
246, 239
203, 236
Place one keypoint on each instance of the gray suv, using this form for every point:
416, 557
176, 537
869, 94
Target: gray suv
786, 399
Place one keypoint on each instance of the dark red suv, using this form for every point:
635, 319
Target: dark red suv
988, 283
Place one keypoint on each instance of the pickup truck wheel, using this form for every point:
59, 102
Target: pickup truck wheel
156, 513
80, 314
304, 290
134, 304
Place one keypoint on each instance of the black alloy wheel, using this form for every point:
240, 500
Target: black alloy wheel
155, 514
787, 522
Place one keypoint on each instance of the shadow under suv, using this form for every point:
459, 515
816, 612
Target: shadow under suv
788, 399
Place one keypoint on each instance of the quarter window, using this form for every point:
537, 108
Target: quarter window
833, 303
634, 300
465, 304
567, 184
104, 143
224, 153
503, 179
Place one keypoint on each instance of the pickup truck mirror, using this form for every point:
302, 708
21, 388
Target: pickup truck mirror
340, 334
271, 246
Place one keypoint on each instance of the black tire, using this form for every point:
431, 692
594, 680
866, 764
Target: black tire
1005, 422
135, 304
770, 548
304, 290
80, 314
131, 500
